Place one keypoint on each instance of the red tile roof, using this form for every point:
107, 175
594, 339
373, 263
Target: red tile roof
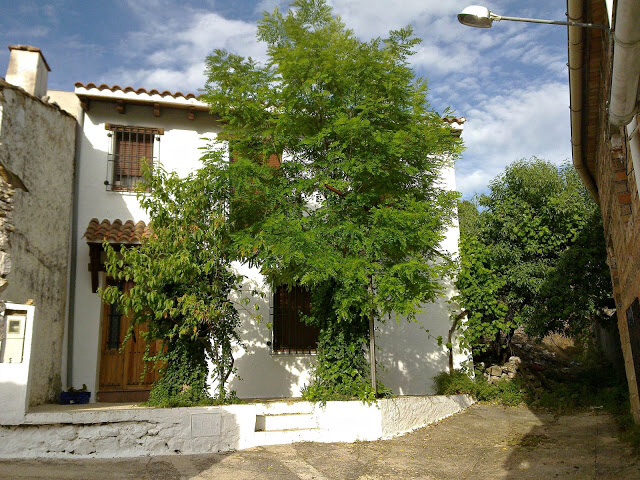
126, 233
118, 88
451, 120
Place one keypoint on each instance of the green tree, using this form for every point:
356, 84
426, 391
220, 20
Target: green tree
355, 212
532, 254
577, 292
183, 283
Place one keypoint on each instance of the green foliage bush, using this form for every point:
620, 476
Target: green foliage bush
183, 382
591, 384
341, 371
504, 392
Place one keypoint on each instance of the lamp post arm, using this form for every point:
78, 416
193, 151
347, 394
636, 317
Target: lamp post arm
498, 18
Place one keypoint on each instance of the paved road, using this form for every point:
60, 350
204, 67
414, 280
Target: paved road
485, 442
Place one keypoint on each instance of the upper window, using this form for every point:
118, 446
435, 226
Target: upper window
131, 147
290, 333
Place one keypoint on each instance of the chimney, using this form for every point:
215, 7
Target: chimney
28, 69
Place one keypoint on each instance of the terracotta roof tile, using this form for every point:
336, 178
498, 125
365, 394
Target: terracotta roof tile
127, 233
116, 88
451, 120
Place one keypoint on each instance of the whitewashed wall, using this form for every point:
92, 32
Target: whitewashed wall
125, 433
408, 352
179, 151
261, 374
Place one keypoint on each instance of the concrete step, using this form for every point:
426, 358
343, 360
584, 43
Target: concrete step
277, 408
285, 421
283, 437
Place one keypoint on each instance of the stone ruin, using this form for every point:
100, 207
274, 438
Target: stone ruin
495, 373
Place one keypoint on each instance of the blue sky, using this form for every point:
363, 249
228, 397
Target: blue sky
510, 82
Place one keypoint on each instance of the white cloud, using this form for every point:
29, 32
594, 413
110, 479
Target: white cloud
36, 31
473, 182
173, 50
373, 18
270, 6
518, 124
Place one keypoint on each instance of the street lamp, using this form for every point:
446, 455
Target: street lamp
481, 17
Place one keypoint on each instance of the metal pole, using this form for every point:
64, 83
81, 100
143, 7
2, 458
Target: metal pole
372, 354
498, 18
372, 342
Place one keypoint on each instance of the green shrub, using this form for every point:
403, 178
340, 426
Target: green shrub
504, 392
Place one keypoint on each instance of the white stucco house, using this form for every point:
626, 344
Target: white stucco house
117, 128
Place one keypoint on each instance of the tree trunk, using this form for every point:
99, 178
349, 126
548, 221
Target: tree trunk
372, 343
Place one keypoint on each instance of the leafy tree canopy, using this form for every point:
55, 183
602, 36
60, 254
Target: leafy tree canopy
532, 254
356, 202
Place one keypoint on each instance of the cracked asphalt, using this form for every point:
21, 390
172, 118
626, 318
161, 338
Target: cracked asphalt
484, 442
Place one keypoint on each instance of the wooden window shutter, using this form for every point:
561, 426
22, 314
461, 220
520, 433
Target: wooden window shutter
290, 333
132, 147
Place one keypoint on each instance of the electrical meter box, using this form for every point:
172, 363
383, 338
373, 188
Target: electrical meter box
13, 347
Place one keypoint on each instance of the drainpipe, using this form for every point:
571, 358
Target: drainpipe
576, 72
626, 63
73, 249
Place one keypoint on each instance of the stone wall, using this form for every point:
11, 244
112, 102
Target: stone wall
37, 144
6, 226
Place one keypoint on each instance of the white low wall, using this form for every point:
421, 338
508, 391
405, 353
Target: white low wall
14, 377
107, 433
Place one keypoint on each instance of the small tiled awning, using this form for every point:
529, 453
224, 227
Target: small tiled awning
117, 233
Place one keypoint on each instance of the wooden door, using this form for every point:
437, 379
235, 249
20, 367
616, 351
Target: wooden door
121, 369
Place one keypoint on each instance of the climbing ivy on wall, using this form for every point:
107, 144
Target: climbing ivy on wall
341, 371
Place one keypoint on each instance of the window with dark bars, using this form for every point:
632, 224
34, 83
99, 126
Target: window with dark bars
290, 333
131, 148
115, 324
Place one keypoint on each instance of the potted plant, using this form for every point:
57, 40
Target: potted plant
75, 396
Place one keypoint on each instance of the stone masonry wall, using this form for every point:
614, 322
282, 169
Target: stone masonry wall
37, 143
6, 226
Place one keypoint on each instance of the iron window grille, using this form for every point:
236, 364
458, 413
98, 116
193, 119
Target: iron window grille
115, 323
290, 334
129, 148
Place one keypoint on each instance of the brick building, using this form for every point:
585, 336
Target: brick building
604, 73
